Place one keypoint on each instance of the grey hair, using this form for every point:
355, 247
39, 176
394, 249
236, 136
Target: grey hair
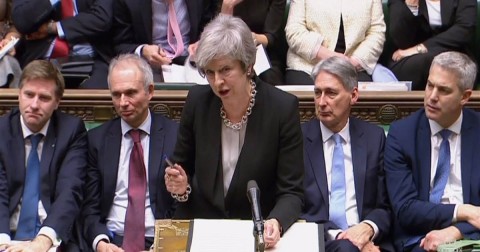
339, 67
225, 36
135, 61
460, 65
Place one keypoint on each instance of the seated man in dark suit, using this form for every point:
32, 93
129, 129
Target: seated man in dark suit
145, 27
43, 156
431, 161
344, 178
78, 29
125, 179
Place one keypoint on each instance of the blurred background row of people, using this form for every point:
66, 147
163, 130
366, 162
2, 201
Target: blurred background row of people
91, 32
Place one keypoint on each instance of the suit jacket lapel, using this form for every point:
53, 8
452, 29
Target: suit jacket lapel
45, 161
111, 150
155, 158
316, 157
359, 162
468, 137
423, 146
213, 179
17, 152
446, 8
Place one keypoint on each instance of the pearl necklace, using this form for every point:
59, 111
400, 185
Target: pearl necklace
251, 103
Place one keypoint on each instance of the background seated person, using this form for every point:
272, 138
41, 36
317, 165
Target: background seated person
422, 29
10, 70
318, 30
78, 29
253, 133
265, 19
344, 177
431, 162
158, 30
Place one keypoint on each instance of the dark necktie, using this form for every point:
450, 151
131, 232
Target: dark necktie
134, 230
60, 48
443, 168
28, 223
338, 187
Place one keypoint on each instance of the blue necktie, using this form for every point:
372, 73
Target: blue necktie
443, 168
441, 176
28, 223
337, 191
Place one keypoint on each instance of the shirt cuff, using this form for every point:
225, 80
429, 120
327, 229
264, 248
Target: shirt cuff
98, 239
455, 210
375, 228
333, 233
60, 32
138, 50
4, 238
50, 233
55, 2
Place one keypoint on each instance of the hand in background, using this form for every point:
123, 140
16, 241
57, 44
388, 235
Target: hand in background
155, 55
229, 5
399, 54
8, 37
325, 53
192, 49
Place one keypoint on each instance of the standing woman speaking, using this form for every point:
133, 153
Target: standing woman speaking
237, 129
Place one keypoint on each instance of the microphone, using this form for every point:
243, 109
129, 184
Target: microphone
253, 194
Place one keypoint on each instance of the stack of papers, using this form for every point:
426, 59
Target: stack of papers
385, 86
362, 86
237, 236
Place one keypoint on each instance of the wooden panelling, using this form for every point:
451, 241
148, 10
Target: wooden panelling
96, 105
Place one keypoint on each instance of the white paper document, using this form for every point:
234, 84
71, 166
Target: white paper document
362, 86
4, 50
385, 86
237, 236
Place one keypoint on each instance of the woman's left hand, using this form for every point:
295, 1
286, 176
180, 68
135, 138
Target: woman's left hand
400, 54
271, 232
176, 179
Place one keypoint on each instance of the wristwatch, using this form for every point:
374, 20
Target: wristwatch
421, 49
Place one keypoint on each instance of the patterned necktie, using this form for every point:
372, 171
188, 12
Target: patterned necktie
174, 36
443, 168
337, 191
28, 223
134, 230
60, 48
